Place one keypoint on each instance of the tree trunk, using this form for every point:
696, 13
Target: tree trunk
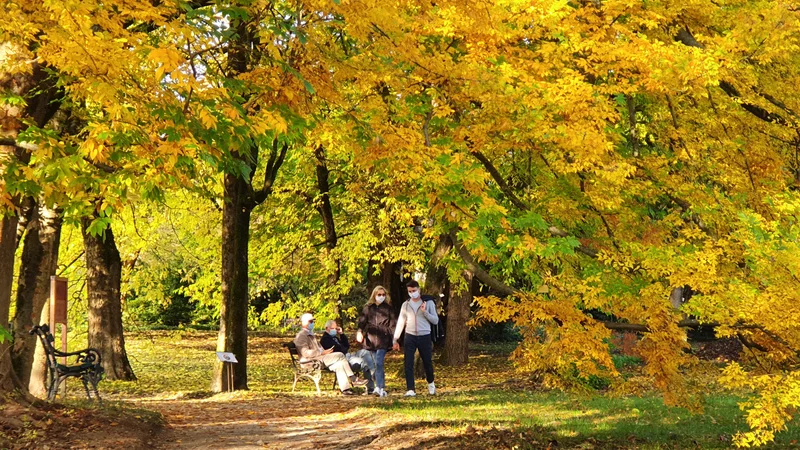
240, 199
103, 279
392, 279
676, 297
456, 340
376, 275
42, 98
37, 384
8, 238
26, 210
39, 262
235, 294
436, 282
329, 225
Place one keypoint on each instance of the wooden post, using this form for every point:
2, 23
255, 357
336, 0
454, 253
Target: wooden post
230, 377
228, 359
58, 313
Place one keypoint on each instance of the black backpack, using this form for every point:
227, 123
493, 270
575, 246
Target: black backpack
437, 331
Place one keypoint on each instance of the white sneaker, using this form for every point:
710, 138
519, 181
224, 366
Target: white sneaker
431, 389
411, 394
384, 393
378, 391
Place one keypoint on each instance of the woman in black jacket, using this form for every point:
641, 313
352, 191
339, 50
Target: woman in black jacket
375, 332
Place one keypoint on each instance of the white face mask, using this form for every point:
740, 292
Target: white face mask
414, 295
379, 299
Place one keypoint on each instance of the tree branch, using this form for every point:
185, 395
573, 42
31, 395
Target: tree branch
274, 163
498, 178
493, 283
685, 37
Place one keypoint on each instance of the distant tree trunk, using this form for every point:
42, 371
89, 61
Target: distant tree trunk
676, 297
103, 279
436, 282
391, 278
8, 244
456, 343
39, 262
235, 293
377, 275
328, 223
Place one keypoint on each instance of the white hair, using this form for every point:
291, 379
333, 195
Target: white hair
330, 324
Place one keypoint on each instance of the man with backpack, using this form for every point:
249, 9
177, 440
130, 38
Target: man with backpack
415, 318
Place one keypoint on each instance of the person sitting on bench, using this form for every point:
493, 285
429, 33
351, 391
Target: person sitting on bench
334, 337
309, 349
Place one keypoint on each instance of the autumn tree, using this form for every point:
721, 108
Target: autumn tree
595, 157
104, 66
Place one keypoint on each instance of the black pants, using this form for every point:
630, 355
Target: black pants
411, 345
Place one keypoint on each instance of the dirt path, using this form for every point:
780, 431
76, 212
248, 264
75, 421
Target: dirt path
283, 422
299, 422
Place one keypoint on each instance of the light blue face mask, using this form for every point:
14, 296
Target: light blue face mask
311, 326
332, 332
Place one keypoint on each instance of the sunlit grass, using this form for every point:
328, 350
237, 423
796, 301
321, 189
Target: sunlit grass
644, 420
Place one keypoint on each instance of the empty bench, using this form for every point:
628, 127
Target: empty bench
87, 365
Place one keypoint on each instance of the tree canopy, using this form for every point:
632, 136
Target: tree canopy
595, 164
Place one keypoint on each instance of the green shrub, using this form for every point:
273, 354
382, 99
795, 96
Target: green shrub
495, 332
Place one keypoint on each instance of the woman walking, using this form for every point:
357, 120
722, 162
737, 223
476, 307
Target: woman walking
375, 327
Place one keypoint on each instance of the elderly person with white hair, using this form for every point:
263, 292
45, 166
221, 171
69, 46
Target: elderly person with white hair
309, 349
361, 359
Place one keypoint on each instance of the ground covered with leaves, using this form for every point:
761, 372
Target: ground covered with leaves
483, 405
77, 425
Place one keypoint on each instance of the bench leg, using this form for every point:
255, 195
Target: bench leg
51, 395
86, 387
295, 382
92, 380
94, 388
316, 383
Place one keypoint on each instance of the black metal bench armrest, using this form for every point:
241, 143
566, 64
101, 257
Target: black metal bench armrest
86, 351
91, 355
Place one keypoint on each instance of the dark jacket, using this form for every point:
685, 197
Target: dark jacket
377, 323
339, 343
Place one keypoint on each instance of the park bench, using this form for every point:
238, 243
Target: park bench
312, 370
87, 366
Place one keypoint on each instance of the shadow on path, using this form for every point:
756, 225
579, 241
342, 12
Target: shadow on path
280, 422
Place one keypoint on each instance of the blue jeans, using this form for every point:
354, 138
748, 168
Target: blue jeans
364, 360
425, 346
379, 356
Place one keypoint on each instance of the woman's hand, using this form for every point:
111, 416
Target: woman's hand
396, 346
359, 336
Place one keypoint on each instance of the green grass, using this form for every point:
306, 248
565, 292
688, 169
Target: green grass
569, 419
